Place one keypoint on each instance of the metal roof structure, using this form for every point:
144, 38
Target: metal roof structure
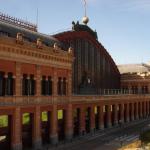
11, 26
134, 68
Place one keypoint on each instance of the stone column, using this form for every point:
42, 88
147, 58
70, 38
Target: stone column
55, 81
18, 82
82, 121
141, 113
61, 86
122, 113
92, 118
16, 130
109, 124
144, 109
37, 129
69, 123
130, 89
148, 108
69, 89
115, 114
127, 112
136, 113
139, 89
149, 88
101, 117
54, 125
38, 80
132, 111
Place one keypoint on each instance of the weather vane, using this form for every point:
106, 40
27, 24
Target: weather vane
85, 4
85, 19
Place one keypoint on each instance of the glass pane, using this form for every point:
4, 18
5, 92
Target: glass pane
60, 114
4, 121
26, 118
44, 116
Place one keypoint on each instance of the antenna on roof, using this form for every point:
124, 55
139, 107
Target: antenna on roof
85, 19
85, 5
37, 17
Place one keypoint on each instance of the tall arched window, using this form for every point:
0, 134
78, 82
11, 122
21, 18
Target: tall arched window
25, 85
43, 85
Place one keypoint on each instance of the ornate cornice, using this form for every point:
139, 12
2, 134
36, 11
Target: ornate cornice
29, 53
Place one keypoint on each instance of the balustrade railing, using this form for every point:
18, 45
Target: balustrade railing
18, 22
49, 100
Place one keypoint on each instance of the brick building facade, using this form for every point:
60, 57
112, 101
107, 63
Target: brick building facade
36, 81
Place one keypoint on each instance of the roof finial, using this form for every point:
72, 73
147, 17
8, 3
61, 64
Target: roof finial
85, 19
84, 7
37, 17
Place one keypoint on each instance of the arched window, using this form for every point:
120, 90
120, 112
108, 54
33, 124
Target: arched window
25, 85
43, 85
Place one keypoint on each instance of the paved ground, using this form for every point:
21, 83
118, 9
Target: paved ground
109, 139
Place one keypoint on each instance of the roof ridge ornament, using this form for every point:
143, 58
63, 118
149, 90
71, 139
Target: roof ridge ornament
18, 22
85, 19
85, 4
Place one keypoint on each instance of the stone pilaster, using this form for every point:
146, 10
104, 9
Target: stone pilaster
16, 130
18, 81
141, 113
130, 89
92, 118
144, 109
69, 123
82, 121
149, 88
101, 118
136, 112
127, 112
122, 112
109, 124
69, 87
148, 108
37, 129
132, 112
38, 80
55, 81
115, 114
139, 89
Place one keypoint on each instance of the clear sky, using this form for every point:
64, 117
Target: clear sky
123, 26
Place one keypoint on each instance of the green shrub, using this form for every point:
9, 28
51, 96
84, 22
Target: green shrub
145, 137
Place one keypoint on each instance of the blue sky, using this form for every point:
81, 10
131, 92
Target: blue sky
123, 26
